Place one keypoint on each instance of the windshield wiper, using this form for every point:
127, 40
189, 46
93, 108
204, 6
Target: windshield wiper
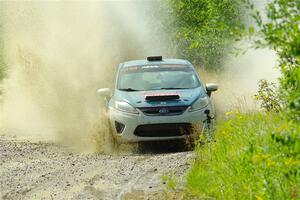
128, 89
172, 88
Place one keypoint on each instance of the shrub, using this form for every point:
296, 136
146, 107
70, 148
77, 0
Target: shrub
201, 31
281, 32
268, 97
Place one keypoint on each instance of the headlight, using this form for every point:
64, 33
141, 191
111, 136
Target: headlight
199, 104
125, 107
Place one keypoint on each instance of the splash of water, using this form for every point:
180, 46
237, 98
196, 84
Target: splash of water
58, 54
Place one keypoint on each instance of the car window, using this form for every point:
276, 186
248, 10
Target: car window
157, 77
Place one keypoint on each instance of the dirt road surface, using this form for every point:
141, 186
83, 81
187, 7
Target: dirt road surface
48, 171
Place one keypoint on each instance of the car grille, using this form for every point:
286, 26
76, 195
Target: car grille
163, 130
161, 111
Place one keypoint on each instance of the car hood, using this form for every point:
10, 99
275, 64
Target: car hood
138, 98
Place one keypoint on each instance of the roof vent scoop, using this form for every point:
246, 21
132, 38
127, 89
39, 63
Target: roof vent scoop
154, 58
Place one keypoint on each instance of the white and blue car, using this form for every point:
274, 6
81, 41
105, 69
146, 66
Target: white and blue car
157, 99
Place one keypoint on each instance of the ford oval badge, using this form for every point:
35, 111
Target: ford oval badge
163, 111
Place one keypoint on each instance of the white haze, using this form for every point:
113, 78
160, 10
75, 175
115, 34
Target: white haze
58, 54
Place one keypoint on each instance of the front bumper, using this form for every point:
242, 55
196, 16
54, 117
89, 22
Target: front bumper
132, 121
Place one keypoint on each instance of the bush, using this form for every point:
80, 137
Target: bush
201, 30
256, 156
281, 32
268, 97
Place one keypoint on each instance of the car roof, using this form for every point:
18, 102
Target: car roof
146, 62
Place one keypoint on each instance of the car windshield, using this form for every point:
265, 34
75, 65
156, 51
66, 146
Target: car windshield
157, 77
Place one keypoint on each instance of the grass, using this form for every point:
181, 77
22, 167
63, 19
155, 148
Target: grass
255, 156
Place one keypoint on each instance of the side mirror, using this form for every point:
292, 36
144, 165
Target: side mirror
104, 92
211, 87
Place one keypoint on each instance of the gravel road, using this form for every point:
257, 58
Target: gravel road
39, 170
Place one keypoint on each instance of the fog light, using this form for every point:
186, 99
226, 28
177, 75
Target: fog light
119, 127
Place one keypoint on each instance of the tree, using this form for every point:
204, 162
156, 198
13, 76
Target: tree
281, 32
202, 30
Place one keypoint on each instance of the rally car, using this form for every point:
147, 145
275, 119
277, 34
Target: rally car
157, 99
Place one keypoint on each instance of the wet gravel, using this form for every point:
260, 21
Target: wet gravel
48, 171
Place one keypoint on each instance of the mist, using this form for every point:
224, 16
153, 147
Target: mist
58, 54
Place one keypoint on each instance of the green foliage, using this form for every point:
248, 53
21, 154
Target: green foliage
172, 187
256, 156
171, 181
281, 32
268, 97
202, 30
